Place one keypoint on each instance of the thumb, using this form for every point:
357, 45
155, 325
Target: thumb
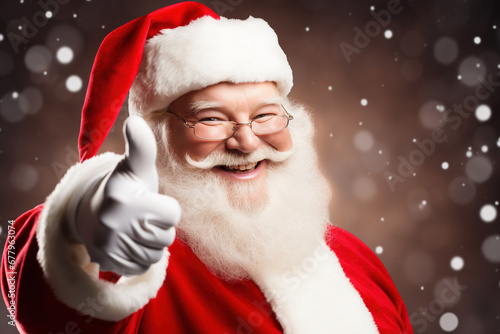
140, 150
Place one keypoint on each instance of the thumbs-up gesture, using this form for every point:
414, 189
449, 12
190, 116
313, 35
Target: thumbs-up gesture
122, 219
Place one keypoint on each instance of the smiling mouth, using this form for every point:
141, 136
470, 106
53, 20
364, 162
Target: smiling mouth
241, 169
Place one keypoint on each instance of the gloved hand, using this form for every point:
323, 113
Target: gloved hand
120, 218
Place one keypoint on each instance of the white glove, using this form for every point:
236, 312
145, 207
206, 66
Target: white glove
120, 218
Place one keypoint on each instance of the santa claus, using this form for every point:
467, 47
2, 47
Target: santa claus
217, 154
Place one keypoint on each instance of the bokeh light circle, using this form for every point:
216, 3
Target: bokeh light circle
363, 140
491, 248
483, 113
9, 109
448, 322
64, 55
479, 168
364, 188
74, 83
488, 213
470, 70
24, 177
30, 100
457, 263
38, 59
446, 50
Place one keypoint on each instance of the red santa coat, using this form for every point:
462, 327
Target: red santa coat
190, 299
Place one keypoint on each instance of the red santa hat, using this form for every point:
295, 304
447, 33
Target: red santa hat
170, 52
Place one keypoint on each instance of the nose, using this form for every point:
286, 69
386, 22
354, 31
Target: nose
243, 140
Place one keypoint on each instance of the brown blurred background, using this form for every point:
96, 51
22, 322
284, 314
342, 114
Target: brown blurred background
414, 177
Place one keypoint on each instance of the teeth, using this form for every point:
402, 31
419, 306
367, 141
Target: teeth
246, 167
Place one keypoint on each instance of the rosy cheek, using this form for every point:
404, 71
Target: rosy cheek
185, 142
281, 141
199, 149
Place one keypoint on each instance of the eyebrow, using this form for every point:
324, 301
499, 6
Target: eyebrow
198, 106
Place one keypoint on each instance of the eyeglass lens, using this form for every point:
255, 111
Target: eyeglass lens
223, 130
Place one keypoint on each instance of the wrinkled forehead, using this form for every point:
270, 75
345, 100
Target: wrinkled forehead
228, 97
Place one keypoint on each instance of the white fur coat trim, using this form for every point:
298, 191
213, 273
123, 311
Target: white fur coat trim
206, 52
316, 297
67, 267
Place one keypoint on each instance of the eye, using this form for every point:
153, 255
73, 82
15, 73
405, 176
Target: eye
210, 115
264, 115
209, 119
268, 111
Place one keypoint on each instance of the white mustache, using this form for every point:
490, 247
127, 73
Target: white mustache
232, 159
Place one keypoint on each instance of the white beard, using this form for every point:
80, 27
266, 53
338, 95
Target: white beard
238, 235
